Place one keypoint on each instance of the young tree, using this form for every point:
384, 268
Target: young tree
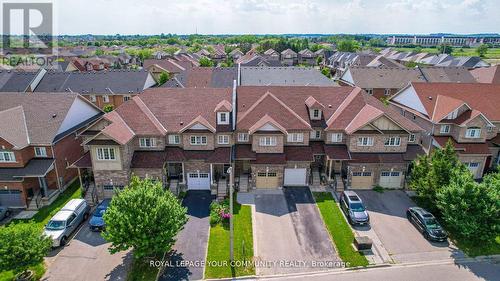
206, 62
22, 246
326, 71
471, 210
144, 217
431, 173
108, 108
164, 77
482, 50
445, 49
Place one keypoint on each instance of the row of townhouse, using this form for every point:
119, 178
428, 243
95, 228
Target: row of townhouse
38, 142
275, 136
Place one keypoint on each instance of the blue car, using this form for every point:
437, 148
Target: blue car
96, 222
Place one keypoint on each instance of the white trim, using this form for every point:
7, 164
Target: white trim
223, 139
198, 140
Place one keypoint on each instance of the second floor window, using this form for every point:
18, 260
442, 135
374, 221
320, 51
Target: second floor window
93, 98
473, 133
242, 137
365, 141
198, 140
393, 141
295, 137
267, 141
147, 142
444, 129
105, 98
40, 152
316, 134
174, 139
7, 156
316, 113
223, 118
370, 91
411, 138
223, 139
126, 98
337, 137
387, 92
106, 153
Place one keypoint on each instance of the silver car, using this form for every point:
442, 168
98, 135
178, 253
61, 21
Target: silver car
354, 208
66, 221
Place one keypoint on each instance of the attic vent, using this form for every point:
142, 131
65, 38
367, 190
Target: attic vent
429, 97
54, 115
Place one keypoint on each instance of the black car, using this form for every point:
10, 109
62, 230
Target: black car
426, 223
96, 222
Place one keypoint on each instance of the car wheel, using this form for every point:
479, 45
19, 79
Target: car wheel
426, 236
63, 241
85, 216
408, 215
7, 214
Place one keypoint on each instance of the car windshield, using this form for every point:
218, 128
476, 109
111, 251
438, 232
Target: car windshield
357, 207
55, 225
99, 212
431, 223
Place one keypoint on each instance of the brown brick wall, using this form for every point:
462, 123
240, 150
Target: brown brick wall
67, 151
23, 156
378, 143
267, 149
186, 144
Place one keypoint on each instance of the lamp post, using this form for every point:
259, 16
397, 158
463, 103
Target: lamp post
231, 230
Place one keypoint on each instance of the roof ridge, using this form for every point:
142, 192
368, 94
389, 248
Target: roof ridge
379, 113
354, 93
266, 119
121, 119
145, 109
200, 119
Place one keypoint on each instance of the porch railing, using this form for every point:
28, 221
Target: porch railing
38, 199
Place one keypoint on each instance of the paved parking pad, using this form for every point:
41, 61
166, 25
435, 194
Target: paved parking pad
86, 258
402, 241
289, 233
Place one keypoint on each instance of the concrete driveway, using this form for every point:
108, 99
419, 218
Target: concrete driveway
402, 241
192, 241
289, 228
86, 257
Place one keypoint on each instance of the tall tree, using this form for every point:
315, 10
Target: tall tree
348, 45
164, 77
143, 217
206, 62
482, 50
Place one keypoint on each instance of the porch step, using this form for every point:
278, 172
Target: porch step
32, 205
316, 180
174, 184
221, 189
243, 183
340, 183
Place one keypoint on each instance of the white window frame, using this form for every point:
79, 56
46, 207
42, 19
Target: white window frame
295, 137
93, 98
226, 118
11, 157
243, 137
106, 154
445, 129
105, 98
315, 134
365, 141
370, 91
198, 140
318, 112
126, 98
267, 141
174, 139
336, 137
387, 92
473, 133
412, 138
40, 151
147, 142
223, 139
392, 141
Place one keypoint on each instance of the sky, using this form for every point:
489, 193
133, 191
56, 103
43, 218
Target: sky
276, 16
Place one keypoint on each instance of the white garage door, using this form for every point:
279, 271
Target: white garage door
295, 177
198, 181
473, 168
390, 179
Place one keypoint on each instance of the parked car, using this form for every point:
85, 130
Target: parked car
426, 223
4, 212
66, 221
96, 222
353, 208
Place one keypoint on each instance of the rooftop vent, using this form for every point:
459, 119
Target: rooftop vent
54, 115
429, 97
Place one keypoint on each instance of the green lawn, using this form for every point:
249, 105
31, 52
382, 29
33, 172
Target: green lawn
41, 218
493, 53
338, 228
140, 270
218, 246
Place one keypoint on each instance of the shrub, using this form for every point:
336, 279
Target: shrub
219, 212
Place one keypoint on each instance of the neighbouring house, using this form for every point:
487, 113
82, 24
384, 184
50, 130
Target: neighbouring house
489, 75
307, 57
289, 57
235, 54
156, 67
271, 55
90, 64
204, 77
219, 53
339, 62
382, 82
101, 88
282, 136
37, 144
283, 76
181, 137
258, 60
464, 113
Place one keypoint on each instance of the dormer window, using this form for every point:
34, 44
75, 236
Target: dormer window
222, 118
473, 133
7, 157
316, 113
453, 114
444, 129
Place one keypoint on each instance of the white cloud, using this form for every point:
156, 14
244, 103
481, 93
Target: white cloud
276, 16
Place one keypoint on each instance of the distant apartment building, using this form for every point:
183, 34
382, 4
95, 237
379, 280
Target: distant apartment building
434, 40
